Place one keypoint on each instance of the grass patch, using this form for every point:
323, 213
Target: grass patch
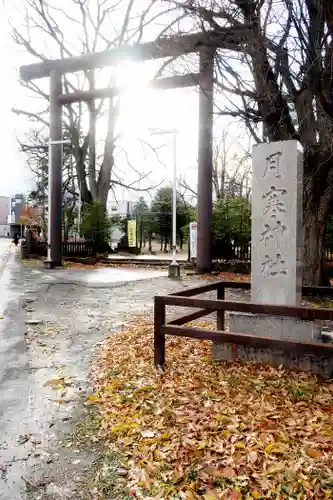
301, 391
102, 479
88, 427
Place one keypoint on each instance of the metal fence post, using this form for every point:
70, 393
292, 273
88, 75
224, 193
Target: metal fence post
220, 314
159, 338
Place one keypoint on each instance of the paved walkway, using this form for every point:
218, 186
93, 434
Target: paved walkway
53, 322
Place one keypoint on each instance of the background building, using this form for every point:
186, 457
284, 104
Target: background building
120, 209
14, 214
4, 211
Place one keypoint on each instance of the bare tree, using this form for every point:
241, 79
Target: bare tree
35, 145
279, 76
85, 26
231, 172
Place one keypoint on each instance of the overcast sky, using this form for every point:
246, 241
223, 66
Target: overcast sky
14, 176
140, 111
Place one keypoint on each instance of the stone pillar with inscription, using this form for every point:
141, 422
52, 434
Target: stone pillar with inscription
276, 264
277, 223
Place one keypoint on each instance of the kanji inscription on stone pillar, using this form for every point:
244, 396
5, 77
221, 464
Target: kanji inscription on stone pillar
277, 230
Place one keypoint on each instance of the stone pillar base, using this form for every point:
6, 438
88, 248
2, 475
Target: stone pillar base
50, 264
174, 271
275, 327
279, 327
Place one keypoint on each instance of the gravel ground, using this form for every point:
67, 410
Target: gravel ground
55, 324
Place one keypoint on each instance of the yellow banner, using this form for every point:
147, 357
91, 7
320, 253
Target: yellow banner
131, 232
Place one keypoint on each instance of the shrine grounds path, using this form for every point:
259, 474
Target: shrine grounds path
51, 323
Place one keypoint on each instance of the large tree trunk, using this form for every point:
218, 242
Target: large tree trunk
92, 139
318, 195
80, 153
92, 151
104, 177
313, 272
274, 110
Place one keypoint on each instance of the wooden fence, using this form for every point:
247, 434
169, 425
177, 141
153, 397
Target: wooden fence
69, 248
329, 255
242, 253
237, 253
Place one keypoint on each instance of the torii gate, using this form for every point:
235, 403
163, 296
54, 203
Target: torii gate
203, 43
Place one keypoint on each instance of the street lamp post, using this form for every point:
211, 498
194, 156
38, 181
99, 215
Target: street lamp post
79, 202
80, 208
174, 269
54, 239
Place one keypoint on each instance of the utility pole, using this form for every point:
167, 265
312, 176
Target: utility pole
54, 226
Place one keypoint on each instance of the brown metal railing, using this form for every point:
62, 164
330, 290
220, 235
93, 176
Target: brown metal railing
185, 298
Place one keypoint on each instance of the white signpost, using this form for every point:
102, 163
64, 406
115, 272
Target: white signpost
193, 240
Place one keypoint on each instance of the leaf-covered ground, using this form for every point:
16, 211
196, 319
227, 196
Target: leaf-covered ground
227, 276
204, 430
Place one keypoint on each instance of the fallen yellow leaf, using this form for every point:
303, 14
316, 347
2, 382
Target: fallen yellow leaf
210, 495
124, 427
277, 448
92, 400
54, 381
202, 444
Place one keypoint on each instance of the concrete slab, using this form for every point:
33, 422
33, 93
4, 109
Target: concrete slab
102, 276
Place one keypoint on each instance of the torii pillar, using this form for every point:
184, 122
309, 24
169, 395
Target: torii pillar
205, 162
54, 240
